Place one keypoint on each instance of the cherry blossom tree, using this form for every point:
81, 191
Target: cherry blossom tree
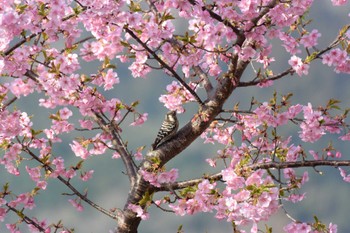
44, 44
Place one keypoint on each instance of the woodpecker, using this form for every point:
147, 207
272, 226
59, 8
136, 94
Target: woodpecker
167, 130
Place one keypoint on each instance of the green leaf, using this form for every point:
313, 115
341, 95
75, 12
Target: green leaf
333, 103
188, 190
311, 57
106, 63
343, 30
119, 106
346, 112
4, 145
43, 10
179, 229
20, 214
134, 7
21, 7
125, 44
5, 188
36, 132
135, 103
167, 16
268, 229
146, 198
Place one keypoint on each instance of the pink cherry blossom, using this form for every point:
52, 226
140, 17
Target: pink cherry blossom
64, 53
346, 177
311, 127
76, 204
2, 214
310, 39
138, 155
116, 155
297, 228
79, 150
65, 113
110, 79
298, 66
12, 228
339, 2
333, 228
140, 120
87, 175
296, 197
139, 211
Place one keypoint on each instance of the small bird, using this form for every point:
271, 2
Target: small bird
167, 130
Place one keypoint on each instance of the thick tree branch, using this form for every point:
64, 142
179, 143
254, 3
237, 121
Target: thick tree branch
191, 131
203, 119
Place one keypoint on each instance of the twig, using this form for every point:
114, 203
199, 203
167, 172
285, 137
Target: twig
270, 165
119, 146
10, 50
26, 219
165, 65
290, 70
76, 192
8, 103
218, 18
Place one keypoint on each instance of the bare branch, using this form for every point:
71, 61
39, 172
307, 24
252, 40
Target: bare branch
297, 164
275, 77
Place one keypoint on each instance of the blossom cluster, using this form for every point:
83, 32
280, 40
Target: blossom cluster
43, 50
176, 97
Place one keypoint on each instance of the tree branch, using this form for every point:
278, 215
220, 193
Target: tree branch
25, 218
290, 70
119, 146
8, 103
265, 166
275, 77
218, 18
19, 43
165, 65
201, 121
75, 191
203, 76
197, 69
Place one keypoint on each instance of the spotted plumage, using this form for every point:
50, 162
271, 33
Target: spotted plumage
167, 130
